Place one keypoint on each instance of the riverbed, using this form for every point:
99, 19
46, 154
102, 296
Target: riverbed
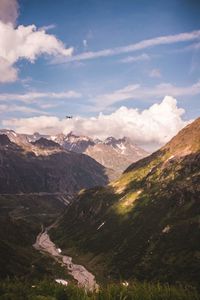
84, 278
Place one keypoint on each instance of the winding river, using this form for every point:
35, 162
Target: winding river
84, 278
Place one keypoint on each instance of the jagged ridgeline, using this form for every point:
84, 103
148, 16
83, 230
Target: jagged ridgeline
146, 224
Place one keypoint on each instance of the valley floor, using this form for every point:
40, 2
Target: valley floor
84, 278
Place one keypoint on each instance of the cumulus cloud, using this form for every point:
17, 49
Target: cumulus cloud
148, 128
9, 11
23, 42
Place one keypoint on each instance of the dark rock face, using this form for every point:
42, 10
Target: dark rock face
45, 143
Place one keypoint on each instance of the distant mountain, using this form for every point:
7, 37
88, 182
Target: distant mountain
45, 167
45, 143
145, 225
73, 142
116, 154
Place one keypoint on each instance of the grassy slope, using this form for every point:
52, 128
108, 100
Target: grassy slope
150, 215
46, 290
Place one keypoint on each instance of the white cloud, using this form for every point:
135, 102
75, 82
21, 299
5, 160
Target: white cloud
26, 42
131, 59
136, 91
48, 27
7, 72
144, 44
4, 108
149, 128
31, 96
155, 73
8, 11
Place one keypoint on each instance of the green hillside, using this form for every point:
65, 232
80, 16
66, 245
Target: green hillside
146, 224
21, 217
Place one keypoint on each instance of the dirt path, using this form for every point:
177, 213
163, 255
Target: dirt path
81, 274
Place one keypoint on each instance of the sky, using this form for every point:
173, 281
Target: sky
121, 68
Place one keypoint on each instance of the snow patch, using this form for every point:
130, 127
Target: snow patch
61, 281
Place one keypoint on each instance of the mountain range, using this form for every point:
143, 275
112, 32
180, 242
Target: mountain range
114, 154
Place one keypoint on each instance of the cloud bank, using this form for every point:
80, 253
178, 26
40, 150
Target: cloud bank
149, 128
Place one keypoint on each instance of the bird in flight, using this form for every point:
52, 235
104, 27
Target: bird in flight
68, 117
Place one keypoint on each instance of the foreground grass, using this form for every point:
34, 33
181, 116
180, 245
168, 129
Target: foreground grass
46, 290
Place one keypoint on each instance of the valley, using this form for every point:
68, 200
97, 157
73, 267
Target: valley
143, 226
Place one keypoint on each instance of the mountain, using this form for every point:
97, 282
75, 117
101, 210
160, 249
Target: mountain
145, 225
73, 142
45, 143
46, 167
115, 154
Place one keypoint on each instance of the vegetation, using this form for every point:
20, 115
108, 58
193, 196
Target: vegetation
145, 225
48, 290
21, 217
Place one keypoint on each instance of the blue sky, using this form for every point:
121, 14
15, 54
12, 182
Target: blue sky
55, 83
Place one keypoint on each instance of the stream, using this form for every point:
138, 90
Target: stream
84, 278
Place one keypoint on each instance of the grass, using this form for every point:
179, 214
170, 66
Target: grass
48, 290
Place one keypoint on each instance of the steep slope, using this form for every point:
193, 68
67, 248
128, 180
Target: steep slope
21, 217
47, 169
146, 224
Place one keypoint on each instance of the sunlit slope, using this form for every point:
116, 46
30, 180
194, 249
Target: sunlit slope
146, 224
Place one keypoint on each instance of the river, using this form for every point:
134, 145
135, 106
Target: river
84, 278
